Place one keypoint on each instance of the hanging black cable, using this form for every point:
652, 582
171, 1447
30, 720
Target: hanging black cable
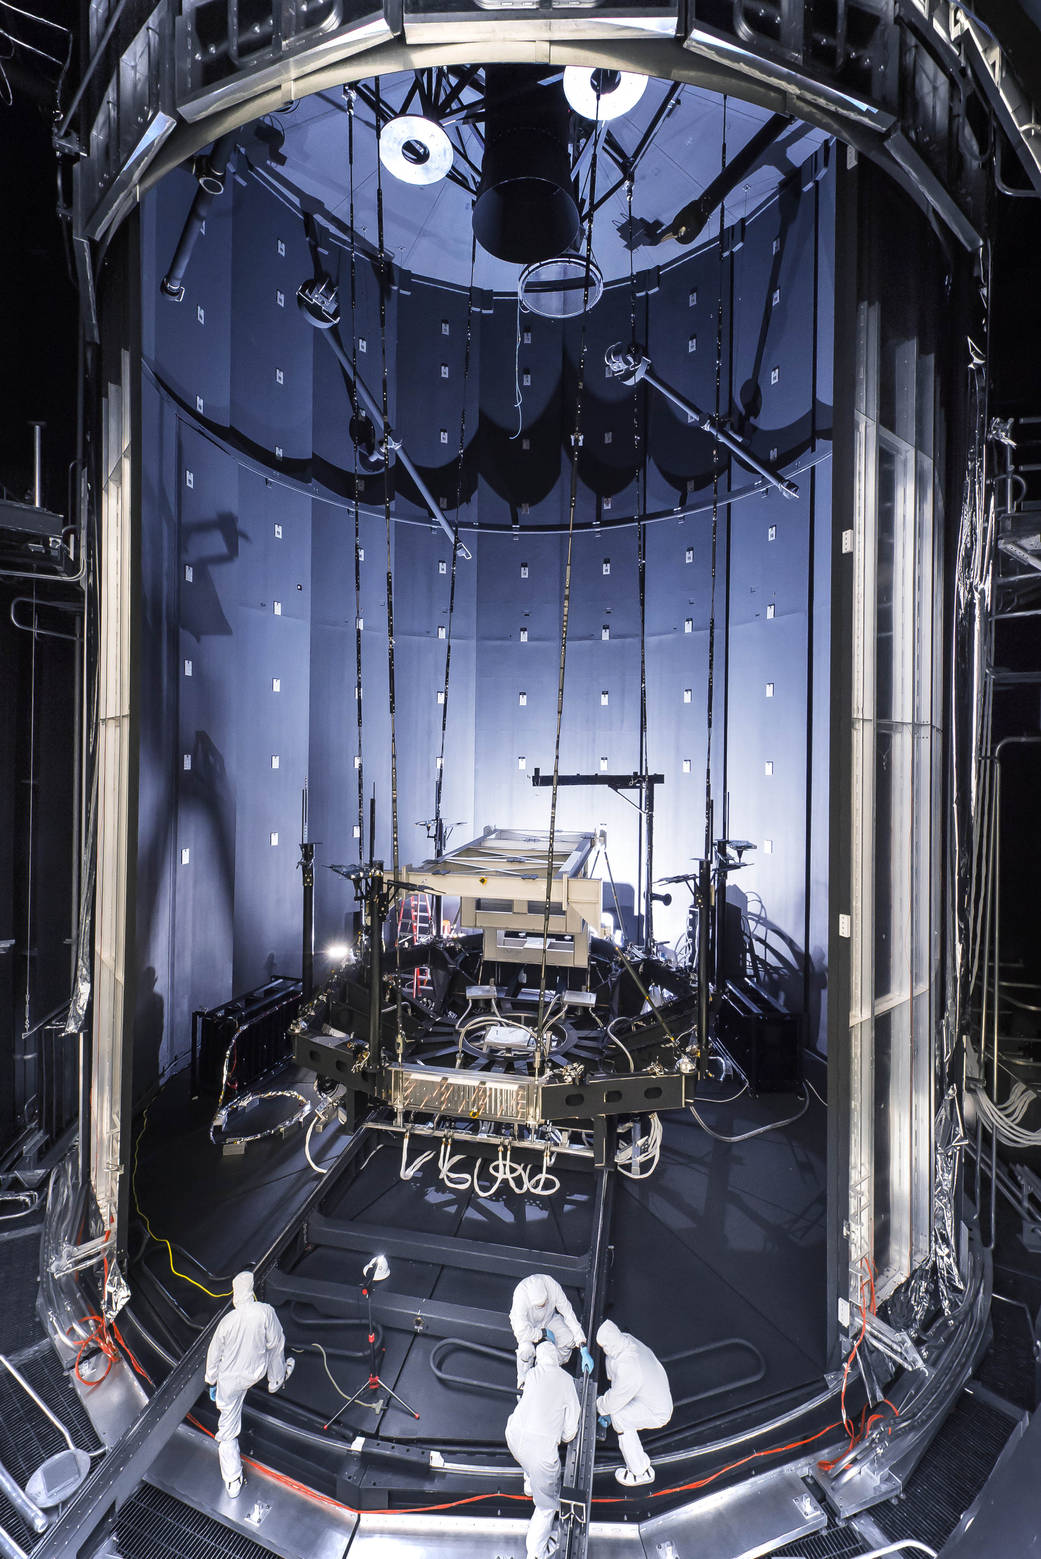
439, 825
705, 889
641, 574
385, 409
541, 1047
715, 511
359, 756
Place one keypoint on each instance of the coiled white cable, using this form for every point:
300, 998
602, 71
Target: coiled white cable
641, 1158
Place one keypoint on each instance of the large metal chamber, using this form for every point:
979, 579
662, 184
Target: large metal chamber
248, 576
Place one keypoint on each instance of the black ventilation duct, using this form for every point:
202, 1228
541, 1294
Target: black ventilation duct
526, 207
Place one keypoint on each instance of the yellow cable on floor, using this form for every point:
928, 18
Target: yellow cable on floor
158, 1238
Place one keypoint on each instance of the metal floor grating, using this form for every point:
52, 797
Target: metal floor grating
950, 1475
154, 1525
27, 1437
838, 1543
1009, 1367
19, 1267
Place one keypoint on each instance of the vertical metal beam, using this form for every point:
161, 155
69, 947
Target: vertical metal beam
576, 1489
119, 482
306, 864
840, 742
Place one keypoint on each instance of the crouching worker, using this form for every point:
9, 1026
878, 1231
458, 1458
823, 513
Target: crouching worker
639, 1398
248, 1344
541, 1307
546, 1415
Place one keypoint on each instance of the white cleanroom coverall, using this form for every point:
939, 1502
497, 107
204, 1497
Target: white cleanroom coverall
540, 1304
248, 1344
546, 1414
639, 1395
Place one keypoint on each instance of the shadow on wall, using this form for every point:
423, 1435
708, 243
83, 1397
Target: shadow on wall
201, 612
207, 791
776, 963
149, 1016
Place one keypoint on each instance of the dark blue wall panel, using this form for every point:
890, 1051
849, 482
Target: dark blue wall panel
229, 915
158, 735
272, 630
271, 344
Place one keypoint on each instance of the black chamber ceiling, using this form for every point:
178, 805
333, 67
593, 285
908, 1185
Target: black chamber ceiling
302, 154
468, 366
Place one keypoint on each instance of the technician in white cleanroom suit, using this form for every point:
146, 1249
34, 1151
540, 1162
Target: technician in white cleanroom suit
248, 1344
546, 1414
639, 1398
540, 1306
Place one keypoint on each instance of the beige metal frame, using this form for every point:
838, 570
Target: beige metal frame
112, 921
487, 875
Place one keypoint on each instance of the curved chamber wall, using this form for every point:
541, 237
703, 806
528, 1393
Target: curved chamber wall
248, 584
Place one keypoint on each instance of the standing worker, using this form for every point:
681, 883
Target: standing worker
248, 1344
540, 1308
546, 1415
639, 1398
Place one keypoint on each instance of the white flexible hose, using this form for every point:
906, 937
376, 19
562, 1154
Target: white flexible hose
503, 1172
899, 1546
477, 1184
644, 1160
757, 1131
409, 1171
544, 1184
307, 1148
452, 1179
1002, 1119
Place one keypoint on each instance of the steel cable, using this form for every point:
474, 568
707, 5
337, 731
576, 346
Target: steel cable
359, 759
439, 841
385, 408
576, 447
715, 516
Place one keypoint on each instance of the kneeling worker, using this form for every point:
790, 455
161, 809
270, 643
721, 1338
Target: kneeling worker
248, 1344
540, 1306
639, 1398
546, 1415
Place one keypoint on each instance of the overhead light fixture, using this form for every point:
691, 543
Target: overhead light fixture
415, 150
602, 94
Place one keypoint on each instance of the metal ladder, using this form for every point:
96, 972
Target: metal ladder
416, 925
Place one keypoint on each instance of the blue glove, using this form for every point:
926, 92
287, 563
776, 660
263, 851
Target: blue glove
603, 1421
587, 1361
549, 1335
213, 1393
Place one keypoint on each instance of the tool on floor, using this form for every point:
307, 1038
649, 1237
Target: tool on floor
61, 1474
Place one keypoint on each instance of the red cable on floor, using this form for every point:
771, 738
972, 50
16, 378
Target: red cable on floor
473, 1499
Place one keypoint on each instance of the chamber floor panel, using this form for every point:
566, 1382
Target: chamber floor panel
718, 1261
